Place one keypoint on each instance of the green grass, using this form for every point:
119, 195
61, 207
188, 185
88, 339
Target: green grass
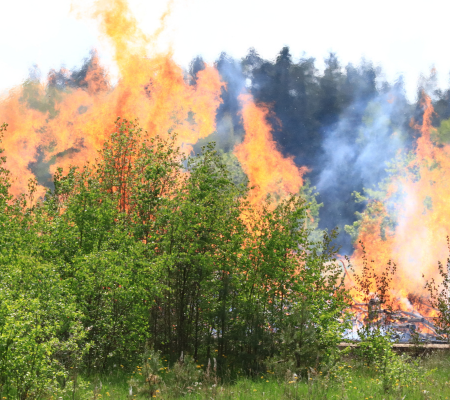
353, 382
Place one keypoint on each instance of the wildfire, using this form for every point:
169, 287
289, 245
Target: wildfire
68, 127
151, 88
266, 168
409, 226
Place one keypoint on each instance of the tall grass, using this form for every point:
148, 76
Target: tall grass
350, 380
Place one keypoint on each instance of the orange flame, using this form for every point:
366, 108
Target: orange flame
268, 171
418, 194
68, 127
153, 89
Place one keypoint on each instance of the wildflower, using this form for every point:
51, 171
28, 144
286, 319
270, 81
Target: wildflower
267, 381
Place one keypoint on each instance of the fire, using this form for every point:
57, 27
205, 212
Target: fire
151, 87
268, 171
417, 199
69, 126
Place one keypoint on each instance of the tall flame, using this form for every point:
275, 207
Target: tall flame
268, 171
151, 88
418, 197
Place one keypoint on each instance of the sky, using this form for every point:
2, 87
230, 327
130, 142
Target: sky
403, 37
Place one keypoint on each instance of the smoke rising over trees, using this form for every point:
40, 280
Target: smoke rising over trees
345, 123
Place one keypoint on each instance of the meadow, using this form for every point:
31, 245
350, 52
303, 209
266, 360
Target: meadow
351, 380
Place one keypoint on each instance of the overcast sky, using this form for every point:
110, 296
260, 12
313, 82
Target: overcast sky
404, 37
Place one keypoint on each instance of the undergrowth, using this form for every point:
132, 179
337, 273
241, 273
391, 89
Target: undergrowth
349, 379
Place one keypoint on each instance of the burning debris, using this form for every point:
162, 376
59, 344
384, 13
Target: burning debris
404, 326
401, 238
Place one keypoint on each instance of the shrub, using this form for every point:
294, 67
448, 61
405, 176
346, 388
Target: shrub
440, 298
41, 331
147, 377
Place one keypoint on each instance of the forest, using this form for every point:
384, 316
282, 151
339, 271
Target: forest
218, 231
154, 273
328, 121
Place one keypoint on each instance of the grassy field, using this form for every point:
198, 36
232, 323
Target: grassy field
349, 381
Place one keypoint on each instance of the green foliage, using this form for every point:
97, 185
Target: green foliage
41, 333
442, 134
183, 377
373, 216
147, 377
397, 372
315, 323
375, 343
40, 327
440, 298
347, 380
145, 249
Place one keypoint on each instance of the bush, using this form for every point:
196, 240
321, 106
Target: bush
147, 377
41, 331
397, 371
440, 298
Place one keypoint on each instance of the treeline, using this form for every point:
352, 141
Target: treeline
328, 120
144, 250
